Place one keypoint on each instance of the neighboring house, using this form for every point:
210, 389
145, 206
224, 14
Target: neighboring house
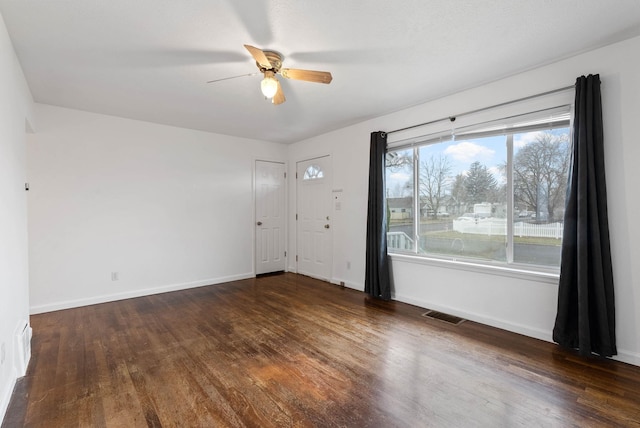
400, 208
448, 207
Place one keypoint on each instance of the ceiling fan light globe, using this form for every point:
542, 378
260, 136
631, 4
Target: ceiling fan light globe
269, 86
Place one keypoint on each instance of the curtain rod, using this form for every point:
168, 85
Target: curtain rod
453, 118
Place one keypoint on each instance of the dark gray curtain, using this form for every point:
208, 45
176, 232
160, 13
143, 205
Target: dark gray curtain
586, 314
377, 281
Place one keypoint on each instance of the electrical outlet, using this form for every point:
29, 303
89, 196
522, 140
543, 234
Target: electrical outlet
3, 353
115, 276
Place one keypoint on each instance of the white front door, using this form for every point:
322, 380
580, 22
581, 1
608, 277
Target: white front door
314, 243
270, 224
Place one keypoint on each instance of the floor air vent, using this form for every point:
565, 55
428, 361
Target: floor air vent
450, 319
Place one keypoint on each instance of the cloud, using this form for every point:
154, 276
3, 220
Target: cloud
468, 151
526, 138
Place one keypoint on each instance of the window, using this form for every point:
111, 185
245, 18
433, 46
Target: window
400, 199
313, 172
490, 193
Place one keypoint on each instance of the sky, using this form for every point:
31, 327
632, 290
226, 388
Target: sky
489, 151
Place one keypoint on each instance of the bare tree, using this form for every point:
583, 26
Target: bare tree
540, 171
398, 160
434, 182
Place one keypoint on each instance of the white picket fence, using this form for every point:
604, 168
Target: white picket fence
498, 226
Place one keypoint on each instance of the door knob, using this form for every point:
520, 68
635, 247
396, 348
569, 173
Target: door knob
259, 223
326, 226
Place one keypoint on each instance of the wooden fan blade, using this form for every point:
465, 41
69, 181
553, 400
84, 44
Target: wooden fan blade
307, 75
278, 98
259, 56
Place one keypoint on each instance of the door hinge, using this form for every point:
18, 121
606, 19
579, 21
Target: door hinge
285, 254
296, 217
285, 175
296, 258
296, 174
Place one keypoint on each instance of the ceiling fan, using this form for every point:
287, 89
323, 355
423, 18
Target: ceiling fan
270, 63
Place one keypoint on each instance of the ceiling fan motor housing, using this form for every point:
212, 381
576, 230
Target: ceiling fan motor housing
275, 58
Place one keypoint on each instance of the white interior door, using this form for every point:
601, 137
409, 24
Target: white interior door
314, 242
270, 224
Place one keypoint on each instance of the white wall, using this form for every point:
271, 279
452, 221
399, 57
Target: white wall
15, 105
522, 304
166, 208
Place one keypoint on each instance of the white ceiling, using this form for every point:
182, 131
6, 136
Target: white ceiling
150, 59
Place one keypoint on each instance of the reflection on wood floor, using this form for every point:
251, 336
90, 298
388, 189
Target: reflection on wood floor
288, 350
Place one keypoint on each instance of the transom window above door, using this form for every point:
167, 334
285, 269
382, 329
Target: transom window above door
313, 172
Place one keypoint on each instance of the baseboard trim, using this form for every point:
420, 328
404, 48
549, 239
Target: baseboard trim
536, 333
5, 398
348, 284
68, 304
623, 355
628, 357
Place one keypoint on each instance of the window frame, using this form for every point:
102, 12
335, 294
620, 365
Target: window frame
562, 117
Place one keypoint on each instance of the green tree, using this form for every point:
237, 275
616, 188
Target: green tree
480, 184
459, 194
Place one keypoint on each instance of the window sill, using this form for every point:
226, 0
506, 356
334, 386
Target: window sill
548, 277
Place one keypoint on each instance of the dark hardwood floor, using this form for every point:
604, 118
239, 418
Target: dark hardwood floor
288, 350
